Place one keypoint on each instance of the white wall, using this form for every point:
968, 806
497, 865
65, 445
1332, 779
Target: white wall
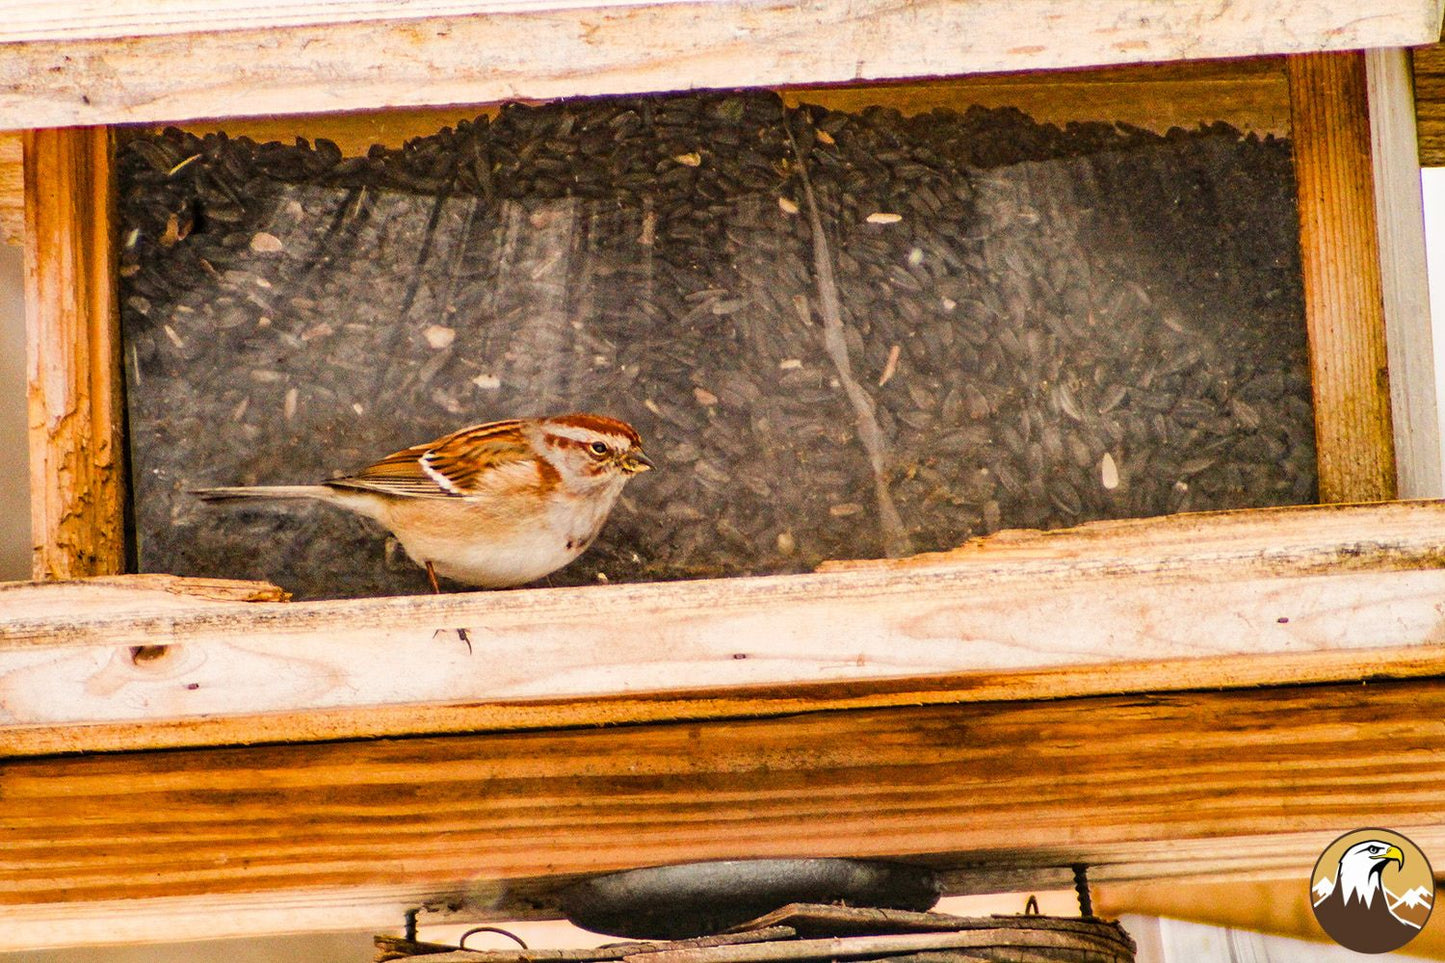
1432, 182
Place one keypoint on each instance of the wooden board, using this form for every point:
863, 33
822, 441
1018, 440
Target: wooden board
1340, 258
12, 188
1189, 785
77, 460
1409, 341
192, 63
27, 20
1234, 598
107, 19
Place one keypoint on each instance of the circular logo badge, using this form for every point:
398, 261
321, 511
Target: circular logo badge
1372, 890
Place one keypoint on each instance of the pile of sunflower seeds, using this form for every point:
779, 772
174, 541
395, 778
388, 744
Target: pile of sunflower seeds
1031, 327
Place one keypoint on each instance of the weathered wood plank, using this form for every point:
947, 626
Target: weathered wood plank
27, 20
1234, 598
1400, 212
1340, 257
1222, 785
76, 456
12, 188
212, 70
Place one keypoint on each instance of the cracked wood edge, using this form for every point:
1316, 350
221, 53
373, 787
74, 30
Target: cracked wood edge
77, 483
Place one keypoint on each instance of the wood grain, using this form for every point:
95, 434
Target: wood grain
114, 19
1203, 785
1428, 63
1400, 214
211, 70
76, 456
1234, 598
12, 188
26, 20
1340, 257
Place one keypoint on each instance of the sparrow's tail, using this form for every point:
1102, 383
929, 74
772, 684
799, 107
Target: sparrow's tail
265, 491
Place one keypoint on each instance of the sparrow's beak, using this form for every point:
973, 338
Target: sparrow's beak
635, 461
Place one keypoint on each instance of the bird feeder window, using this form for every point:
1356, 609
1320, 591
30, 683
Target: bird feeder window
840, 333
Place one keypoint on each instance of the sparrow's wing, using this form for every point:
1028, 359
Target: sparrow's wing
472, 461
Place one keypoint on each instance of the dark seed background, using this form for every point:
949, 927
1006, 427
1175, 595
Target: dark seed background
1051, 326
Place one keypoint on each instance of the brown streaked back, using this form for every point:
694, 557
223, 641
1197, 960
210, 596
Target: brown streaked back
453, 465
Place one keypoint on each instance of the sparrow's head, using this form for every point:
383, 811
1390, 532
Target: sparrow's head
589, 450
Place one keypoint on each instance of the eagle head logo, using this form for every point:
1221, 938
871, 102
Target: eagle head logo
1361, 906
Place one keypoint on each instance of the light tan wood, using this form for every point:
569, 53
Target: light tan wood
1400, 215
1189, 785
26, 20
1234, 598
76, 458
12, 188
533, 53
102, 19
180, 919
1340, 257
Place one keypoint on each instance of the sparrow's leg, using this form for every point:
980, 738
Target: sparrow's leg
431, 573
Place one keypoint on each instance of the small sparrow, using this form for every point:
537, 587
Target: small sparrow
492, 505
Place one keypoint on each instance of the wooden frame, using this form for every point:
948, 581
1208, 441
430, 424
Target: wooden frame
102, 69
1118, 758
1340, 255
1005, 795
77, 476
1226, 599
1405, 287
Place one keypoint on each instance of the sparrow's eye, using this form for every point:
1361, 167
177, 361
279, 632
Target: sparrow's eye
598, 448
